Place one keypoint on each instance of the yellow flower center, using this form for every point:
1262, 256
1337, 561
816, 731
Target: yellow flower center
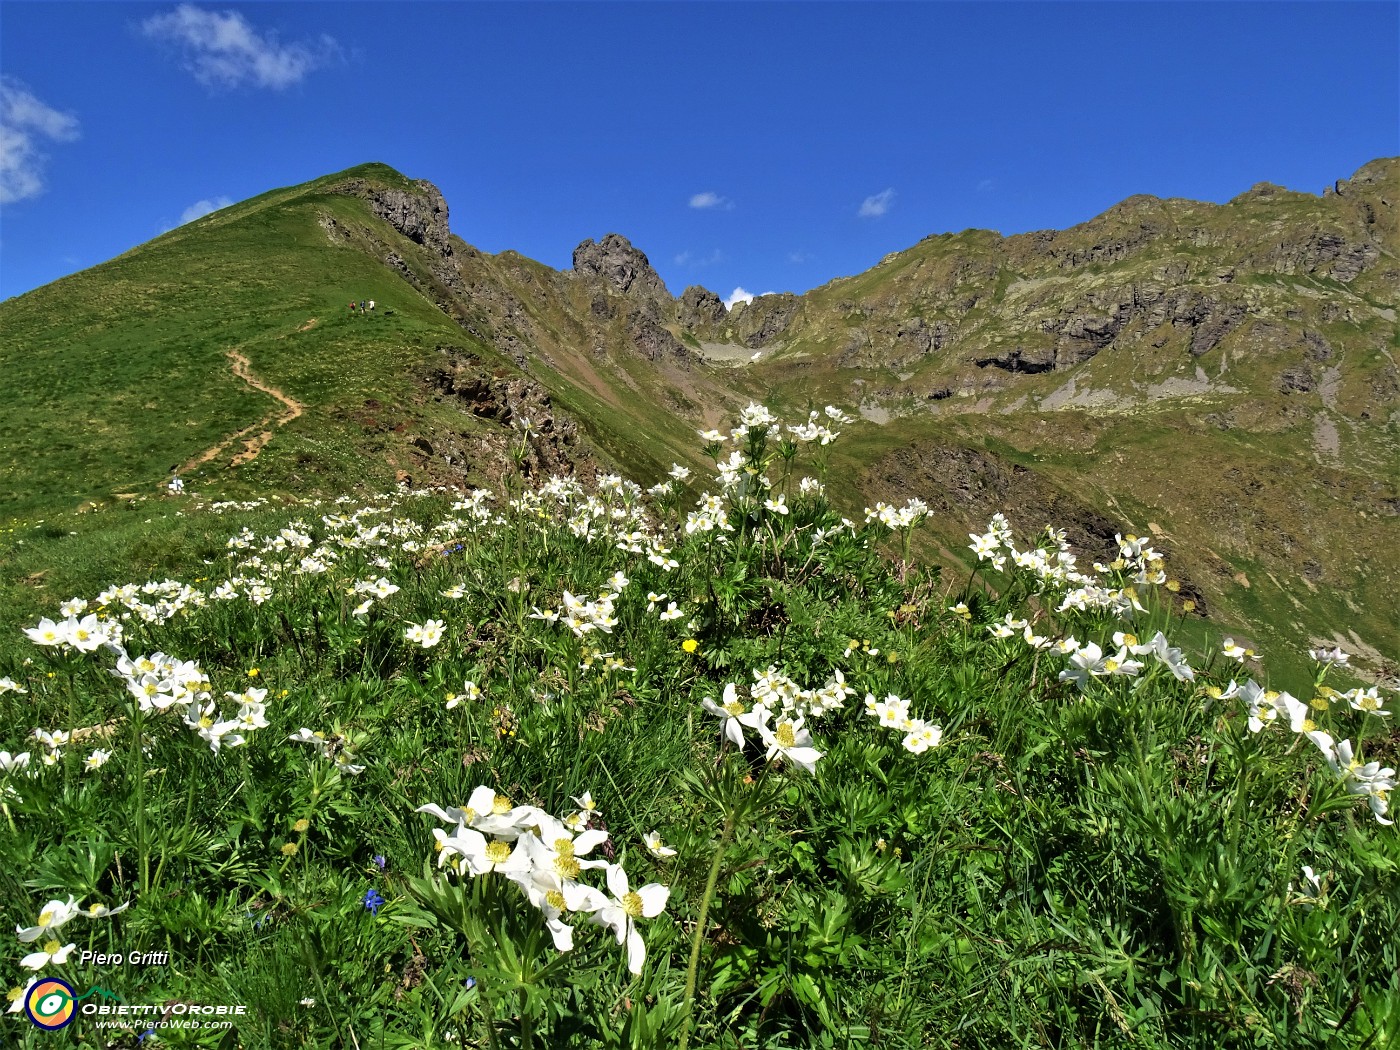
94, 910
632, 904
1319, 703
555, 900
52, 948
785, 736
498, 852
566, 867
734, 708
45, 918
1309, 725
501, 805
1368, 703
564, 847
301, 825
289, 849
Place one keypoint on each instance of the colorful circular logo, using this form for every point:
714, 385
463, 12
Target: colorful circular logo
50, 1004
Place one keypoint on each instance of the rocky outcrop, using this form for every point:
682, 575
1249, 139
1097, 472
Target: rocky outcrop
699, 307
1209, 319
765, 319
553, 445
652, 341
1020, 360
622, 267
923, 337
421, 216
1296, 380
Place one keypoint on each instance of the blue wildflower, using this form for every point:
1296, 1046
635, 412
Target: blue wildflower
372, 901
379, 861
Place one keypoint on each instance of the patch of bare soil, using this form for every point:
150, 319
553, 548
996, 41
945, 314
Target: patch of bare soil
291, 409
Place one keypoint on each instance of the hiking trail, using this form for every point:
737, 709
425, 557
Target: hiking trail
292, 408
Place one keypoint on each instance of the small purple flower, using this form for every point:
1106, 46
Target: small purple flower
373, 901
470, 983
379, 861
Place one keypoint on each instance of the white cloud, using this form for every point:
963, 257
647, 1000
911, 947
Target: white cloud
689, 258
24, 121
223, 50
709, 200
199, 209
986, 186
874, 207
741, 296
799, 257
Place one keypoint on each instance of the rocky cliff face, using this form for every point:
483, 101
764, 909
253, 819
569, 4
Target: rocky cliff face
620, 266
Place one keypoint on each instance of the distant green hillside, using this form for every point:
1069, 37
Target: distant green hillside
1223, 376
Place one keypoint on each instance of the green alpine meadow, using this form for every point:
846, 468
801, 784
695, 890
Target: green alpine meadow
405, 646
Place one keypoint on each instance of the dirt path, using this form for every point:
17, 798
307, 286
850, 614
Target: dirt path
291, 409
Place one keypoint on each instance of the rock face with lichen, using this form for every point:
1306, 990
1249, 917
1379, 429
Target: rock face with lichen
620, 266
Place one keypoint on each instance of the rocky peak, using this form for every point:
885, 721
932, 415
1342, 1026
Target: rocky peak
622, 266
700, 306
421, 216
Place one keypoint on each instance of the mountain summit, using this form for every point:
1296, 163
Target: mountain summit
1224, 376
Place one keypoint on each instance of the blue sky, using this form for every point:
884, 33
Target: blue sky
769, 147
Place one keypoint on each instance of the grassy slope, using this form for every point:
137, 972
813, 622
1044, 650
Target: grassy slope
135, 352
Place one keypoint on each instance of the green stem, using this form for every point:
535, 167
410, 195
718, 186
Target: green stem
699, 936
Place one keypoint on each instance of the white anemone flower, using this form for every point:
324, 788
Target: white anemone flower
51, 952
625, 908
18, 995
96, 760
790, 740
922, 737
1326, 656
586, 804
654, 845
97, 910
734, 714
1367, 700
53, 915
1236, 652
47, 633
13, 763
555, 898
483, 856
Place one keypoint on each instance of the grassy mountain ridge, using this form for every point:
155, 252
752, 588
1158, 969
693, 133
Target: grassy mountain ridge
1222, 374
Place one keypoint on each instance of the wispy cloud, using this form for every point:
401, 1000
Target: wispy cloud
199, 209
799, 257
224, 50
710, 200
738, 295
874, 207
986, 186
24, 123
689, 258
